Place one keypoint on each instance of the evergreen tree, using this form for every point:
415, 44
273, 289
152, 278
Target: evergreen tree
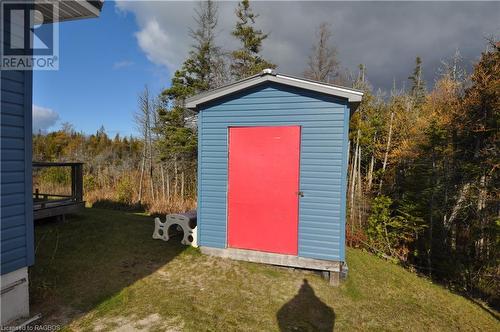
477, 140
418, 90
246, 61
200, 72
204, 68
206, 60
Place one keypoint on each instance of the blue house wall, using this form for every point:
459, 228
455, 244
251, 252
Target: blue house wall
323, 162
16, 202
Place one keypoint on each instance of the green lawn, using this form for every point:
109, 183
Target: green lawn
101, 271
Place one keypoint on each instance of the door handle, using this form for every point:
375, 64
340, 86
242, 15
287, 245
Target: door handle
300, 194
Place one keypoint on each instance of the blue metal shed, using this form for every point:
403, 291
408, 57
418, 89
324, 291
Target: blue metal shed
268, 99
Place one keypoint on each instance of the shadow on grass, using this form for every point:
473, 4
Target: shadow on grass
90, 258
306, 312
121, 206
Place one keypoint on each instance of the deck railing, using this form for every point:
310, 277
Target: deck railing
52, 204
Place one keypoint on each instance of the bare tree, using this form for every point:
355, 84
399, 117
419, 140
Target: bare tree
155, 117
372, 164
453, 67
386, 154
142, 119
323, 64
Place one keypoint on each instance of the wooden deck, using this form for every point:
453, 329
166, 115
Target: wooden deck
46, 205
54, 209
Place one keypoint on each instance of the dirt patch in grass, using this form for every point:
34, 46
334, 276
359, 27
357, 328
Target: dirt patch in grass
133, 324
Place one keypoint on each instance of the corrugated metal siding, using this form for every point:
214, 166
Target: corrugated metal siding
322, 166
15, 173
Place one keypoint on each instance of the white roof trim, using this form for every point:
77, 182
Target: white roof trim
352, 95
337, 88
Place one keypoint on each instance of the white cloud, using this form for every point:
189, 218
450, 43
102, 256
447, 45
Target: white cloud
43, 118
157, 45
122, 64
162, 29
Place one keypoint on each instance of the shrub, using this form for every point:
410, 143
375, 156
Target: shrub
55, 175
125, 190
392, 232
89, 183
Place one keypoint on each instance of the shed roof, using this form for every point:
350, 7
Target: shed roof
268, 75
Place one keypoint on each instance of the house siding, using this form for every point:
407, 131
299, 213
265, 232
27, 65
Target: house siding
323, 161
15, 174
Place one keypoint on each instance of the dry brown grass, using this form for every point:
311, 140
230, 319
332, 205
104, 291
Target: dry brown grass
164, 206
119, 189
115, 195
152, 206
99, 195
51, 188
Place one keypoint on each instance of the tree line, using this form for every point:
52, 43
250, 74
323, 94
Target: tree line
423, 160
423, 174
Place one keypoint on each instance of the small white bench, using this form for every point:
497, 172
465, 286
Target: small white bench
186, 221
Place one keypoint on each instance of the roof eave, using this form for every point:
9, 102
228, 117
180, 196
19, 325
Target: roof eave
69, 10
193, 102
352, 96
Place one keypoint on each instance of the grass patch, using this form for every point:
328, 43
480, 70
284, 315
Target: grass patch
102, 271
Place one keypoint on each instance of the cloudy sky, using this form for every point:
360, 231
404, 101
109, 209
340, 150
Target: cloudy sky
143, 42
385, 36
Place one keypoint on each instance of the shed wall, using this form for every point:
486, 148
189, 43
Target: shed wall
16, 219
324, 121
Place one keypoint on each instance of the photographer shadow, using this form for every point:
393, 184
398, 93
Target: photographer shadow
306, 312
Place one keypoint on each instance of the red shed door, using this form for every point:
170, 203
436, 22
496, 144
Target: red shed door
263, 188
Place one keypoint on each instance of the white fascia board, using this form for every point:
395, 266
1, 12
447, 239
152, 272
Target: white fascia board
351, 95
218, 93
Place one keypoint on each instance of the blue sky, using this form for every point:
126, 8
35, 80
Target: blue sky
101, 72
